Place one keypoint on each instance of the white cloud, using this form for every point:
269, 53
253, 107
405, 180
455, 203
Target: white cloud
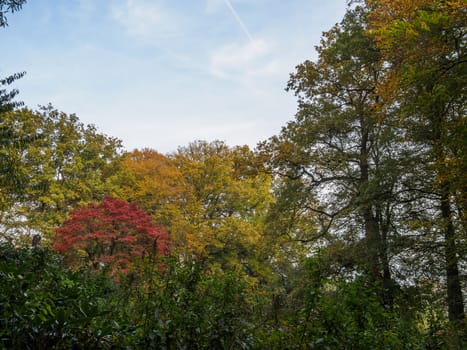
239, 62
146, 19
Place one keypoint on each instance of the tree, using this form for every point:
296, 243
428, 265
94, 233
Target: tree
12, 179
212, 200
6, 97
110, 234
423, 43
337, 156
226, 201
152, 180
63, 165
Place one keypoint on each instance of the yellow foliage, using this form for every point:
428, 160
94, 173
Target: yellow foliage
210, 198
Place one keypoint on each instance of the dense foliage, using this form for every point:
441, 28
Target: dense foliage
58, 164
347, 230
44, 304
109, 235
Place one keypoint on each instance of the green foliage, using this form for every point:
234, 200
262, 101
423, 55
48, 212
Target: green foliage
336, 160
58, 163
349, 314
7, 102
12, 178
332, 313
423, 45
43, 305
341, 250
183, 307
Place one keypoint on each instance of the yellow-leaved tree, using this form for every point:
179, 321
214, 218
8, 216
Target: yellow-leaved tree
212, 200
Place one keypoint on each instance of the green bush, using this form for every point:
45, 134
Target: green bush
334, 313
183, 307
43, 305
163, 304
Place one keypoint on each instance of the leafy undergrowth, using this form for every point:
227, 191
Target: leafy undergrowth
45, 305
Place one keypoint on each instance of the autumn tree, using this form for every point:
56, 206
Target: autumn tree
110, 234
151, 180
423, 45
226, 202
211, 198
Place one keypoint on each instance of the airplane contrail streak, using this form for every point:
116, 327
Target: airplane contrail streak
239, 20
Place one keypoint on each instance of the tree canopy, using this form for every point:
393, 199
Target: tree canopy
346, 230
110, 235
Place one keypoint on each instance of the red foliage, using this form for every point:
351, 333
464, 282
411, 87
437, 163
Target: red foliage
111, 233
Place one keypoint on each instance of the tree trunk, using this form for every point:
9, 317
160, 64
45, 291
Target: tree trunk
375, 233
454, 291
388, 284
371, 228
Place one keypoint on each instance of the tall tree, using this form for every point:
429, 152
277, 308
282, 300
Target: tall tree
423, 43
152, 180
337, 154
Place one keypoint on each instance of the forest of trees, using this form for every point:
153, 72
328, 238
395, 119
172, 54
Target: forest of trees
346, 230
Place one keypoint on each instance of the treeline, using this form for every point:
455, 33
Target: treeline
347, 230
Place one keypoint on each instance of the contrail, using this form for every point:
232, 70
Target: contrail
239, 20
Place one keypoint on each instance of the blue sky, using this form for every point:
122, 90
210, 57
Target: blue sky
162, 73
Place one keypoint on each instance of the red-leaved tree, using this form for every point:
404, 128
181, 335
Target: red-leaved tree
110, 234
